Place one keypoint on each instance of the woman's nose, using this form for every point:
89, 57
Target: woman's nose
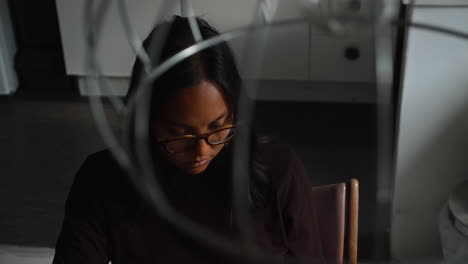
202, 148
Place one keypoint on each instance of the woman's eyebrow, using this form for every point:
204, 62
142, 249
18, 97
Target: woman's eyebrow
219, 118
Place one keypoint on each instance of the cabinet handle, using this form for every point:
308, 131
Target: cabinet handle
354, 5
352, 53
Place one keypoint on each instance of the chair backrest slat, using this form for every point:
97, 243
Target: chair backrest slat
332, 202
353, 218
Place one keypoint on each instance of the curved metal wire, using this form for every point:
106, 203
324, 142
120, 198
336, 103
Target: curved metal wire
187, 10
149, 185
133, 39
201, 233
152, 193
118, 151
96, 105
384, 79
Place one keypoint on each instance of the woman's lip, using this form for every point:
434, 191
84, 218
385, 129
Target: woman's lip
196, 164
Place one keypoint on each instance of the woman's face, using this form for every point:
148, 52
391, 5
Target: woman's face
195, 110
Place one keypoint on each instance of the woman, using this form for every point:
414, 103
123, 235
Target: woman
193, 120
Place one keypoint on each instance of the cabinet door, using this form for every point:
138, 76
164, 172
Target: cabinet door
342, 59
224, 15
352, 8
114, 53
286, 46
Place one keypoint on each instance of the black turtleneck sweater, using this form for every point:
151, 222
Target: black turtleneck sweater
107, 220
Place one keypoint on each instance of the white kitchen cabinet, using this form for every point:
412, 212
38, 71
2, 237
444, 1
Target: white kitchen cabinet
353, 8
114, 52
224, 15
342, 59
292, 52
286, 47
347, 58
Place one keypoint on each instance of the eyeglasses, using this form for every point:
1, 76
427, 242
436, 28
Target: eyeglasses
188, 142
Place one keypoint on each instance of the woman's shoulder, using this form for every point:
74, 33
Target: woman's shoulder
100, 187
102, 162
101, 159
280, 160
100, 173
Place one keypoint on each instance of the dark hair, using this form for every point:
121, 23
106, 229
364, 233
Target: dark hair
215, 64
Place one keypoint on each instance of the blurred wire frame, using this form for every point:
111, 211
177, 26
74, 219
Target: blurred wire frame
137, 161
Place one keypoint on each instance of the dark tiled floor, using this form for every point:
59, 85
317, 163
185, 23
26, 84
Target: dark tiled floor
44, 141
42, 144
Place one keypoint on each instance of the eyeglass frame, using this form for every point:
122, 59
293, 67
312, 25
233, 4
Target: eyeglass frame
197, 137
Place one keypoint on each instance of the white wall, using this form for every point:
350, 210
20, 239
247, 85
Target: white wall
432, 145
8, 79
